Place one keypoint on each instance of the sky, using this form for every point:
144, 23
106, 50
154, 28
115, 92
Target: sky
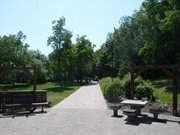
93, 18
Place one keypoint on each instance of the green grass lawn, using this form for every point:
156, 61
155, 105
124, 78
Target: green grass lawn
162, 92
55, 91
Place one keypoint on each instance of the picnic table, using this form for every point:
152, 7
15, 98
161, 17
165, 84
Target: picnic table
137, 105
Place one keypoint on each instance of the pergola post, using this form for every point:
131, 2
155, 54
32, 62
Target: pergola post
34, 77
175, 92
131, 91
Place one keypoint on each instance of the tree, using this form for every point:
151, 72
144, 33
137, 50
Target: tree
121, 47
14, 52
61, 36
140, 38
37, 58
62, 56
84, 58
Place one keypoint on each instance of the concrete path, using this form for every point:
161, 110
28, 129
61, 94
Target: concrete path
87, 97
85, 113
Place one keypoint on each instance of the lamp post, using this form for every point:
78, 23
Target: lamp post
34, 77
112, 61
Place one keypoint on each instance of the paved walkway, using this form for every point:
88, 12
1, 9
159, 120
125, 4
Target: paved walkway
85, 113
87, 97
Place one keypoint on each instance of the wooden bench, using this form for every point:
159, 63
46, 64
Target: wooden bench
40, 100
24, 99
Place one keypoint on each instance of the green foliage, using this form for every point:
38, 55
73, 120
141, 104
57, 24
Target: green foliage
114, 88
144, 90
140, 39
85, 58
15, 52
61, 37
105, 83
114, 91
103, 64
39, 59
162, 33
69, 61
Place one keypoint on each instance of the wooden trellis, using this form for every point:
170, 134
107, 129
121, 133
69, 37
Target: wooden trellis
171, 70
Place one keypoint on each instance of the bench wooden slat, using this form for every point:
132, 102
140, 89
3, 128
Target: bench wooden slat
43, 103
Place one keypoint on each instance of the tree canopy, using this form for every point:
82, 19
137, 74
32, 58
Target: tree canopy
149, 36
69, 61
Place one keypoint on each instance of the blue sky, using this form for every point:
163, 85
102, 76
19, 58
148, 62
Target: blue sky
94, 18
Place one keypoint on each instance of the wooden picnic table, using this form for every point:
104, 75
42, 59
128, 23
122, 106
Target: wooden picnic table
135, 104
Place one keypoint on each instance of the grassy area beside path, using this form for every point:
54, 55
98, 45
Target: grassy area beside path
55, 91
162, 89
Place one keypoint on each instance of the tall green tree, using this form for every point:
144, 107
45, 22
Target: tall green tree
84, 58
149, 36
62, 56
13, 50
161, 28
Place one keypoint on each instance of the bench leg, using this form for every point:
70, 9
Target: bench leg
33, 109
42, 108
155, 115
115, 112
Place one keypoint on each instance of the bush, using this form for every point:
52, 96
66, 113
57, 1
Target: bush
105, 83
144, 91
115, 91
112, 90
139, 81
125, 83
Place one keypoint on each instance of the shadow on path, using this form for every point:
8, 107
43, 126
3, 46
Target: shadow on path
136, 121
20, 114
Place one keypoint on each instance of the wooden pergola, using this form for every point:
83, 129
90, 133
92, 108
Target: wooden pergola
34, 69
172, 72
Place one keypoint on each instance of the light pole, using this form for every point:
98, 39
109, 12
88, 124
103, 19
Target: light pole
112, 61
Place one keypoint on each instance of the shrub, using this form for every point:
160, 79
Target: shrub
105, 83
112, 90
139, 81
115, 91
143, 89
